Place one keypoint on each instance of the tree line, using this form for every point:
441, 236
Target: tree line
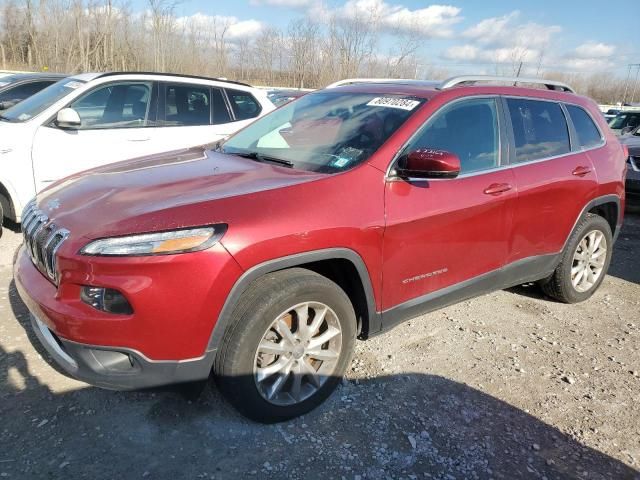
105, 35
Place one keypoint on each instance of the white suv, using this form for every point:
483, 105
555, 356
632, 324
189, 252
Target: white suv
97, 118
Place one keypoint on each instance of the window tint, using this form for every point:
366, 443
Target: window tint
23, 91
539, 129
124, 105
220, 111
588, 133
243, 104
469, 129
187, 105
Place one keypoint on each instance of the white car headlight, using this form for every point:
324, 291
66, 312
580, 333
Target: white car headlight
160, 243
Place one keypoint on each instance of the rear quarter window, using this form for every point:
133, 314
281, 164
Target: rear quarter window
539, 129
587, 132
244, 105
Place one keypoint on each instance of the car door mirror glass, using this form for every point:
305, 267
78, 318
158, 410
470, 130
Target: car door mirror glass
429, 163
68, 118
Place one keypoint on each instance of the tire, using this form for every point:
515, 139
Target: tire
1, 220
240, 369
560, 285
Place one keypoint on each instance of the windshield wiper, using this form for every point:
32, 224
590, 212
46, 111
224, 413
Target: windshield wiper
265, 158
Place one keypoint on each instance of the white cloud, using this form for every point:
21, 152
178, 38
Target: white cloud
505, 31
589, 56
283, 3
591, 50
234, 28
432, 21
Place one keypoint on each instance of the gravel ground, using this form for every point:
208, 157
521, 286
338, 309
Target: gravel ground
510, 385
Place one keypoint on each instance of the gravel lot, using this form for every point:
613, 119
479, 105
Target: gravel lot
509, 385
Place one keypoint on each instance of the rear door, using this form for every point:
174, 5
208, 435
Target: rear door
444, 232
554, 175
117, 123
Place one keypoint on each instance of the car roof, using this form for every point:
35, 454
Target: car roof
87, 77
467, 83
17, 77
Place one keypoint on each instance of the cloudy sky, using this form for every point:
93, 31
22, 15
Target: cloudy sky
572, 36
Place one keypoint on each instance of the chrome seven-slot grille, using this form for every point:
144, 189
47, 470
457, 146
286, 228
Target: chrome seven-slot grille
42, 239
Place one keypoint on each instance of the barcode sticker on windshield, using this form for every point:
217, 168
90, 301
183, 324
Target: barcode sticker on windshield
401, 103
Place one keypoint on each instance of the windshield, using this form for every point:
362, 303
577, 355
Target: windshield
39, 102
324, 132
618, 122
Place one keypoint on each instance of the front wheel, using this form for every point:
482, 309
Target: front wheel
584, 263
289, 343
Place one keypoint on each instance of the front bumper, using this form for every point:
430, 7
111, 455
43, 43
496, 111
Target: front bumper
117, 369
164, 341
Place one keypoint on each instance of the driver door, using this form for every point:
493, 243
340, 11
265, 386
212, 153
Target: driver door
116, 121
444, 234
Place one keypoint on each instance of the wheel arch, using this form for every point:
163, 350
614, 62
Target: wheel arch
341, 265
7, 202
608, 207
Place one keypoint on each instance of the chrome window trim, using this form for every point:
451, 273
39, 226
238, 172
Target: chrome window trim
503, 166
389, 177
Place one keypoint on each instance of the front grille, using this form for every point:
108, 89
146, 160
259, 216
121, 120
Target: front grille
42, 239
634, 162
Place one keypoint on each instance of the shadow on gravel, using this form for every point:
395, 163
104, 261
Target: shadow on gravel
386, 427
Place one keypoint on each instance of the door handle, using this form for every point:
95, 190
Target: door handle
581, 171
139, 139
497, 188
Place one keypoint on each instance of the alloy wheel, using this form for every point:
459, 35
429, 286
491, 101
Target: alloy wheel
588, 261
298, 353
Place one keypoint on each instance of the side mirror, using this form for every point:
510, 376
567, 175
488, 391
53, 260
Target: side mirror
428, 163
68, 118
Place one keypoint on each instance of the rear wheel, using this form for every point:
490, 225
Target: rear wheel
290, 341
584, 263
1, 219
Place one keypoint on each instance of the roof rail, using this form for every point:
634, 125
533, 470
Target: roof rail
550, 84
351, 81
180, 75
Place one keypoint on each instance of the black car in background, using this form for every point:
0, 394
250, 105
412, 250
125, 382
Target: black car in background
625, 121
19, 86
632, 184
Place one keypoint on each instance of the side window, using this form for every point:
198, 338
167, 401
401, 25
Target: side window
469, 129
539, 129
588, 133
187, 105
122, 105
23, 91
243, 104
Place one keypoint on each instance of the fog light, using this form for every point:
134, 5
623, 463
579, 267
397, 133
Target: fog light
106, 300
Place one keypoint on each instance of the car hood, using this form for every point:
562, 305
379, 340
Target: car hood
177, 189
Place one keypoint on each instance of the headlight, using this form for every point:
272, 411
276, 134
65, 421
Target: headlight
160, 243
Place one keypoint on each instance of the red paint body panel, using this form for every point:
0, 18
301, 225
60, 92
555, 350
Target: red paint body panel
175, 298
413, 237
441, 225
550, 200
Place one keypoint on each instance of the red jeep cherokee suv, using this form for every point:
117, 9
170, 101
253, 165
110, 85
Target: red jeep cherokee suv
336, 216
